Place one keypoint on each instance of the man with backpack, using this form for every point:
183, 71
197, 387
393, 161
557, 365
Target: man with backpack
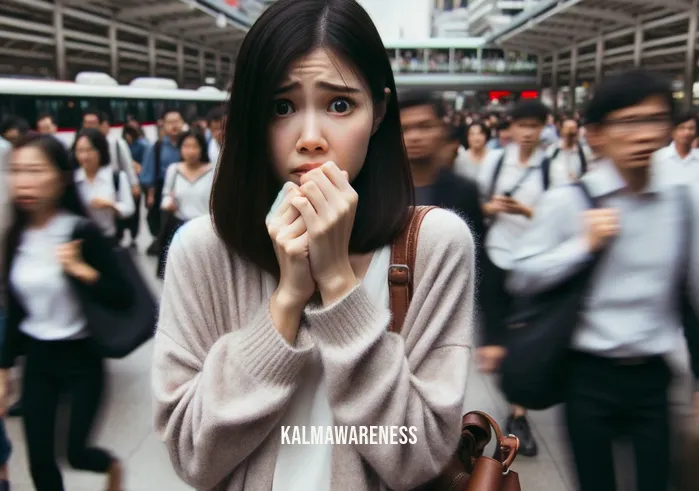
569, 157
640, 238
511, 183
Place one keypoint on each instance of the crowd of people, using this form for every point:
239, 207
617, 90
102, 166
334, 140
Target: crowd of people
275, 222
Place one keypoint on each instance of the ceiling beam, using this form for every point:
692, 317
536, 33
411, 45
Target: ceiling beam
604, 14
174, 7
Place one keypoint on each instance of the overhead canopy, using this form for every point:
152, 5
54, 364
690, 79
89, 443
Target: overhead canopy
591, 37
102, 34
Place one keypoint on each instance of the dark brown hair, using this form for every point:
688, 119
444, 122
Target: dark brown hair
246, 185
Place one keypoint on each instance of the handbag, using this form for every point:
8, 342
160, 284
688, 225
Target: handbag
468, 469
534, 372
117, 332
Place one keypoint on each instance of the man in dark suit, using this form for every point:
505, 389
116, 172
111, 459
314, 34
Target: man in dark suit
432, 147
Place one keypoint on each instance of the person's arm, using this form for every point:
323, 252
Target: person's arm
124, 204
167, 200
554, 246
416, 379
127, 160
222, 374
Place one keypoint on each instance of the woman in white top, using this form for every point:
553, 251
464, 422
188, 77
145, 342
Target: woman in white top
46, 272
187, 189
469, 160
106, 192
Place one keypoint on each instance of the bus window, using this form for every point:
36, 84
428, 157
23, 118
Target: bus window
119, 109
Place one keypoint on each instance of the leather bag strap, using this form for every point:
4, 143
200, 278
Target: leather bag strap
400, 272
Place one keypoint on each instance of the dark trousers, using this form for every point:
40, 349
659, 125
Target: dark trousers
495, 301
153, 216
611, 401
55, 368
133, 223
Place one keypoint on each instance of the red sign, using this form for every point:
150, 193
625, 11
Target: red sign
498, 94
530, 94
232, 3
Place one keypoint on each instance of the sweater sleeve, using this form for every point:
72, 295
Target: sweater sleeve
219, 390
416, 379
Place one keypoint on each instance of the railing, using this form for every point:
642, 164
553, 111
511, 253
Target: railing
490, 66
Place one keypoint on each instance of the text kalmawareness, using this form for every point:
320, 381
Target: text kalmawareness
349, 435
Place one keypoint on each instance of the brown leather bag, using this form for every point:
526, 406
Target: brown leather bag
468, 469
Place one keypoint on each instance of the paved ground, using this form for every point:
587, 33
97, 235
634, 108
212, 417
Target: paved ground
126, 429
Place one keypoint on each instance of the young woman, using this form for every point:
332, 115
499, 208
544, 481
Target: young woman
187, 189
469, 160
97, 182
268, 322
48, 263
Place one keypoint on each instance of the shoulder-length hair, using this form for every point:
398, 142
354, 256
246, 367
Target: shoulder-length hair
201, 141
69, 201
246, 185
97, 140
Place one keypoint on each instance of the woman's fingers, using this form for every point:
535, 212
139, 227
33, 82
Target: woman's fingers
294, 230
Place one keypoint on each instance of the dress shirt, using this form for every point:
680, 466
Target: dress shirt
567, 164
103, 187
505, 229
169, 154
679, 170
632, 305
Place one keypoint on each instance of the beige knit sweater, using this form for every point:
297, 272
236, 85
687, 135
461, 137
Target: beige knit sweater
223, 376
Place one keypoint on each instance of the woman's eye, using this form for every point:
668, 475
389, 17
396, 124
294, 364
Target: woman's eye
283, 108
340, 106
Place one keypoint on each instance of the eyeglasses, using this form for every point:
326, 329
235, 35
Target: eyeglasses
658, 123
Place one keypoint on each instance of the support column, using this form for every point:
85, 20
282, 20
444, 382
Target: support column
113, 51
573, 77
554, 81
452, 60
539, 74
151, 55
426, 60
61, 68
202, 67
217, 64
638, 44
479, 56
691, 60
180, 64
599, 61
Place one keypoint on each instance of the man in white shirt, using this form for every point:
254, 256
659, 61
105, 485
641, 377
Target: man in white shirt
216, 122
511, 182
679, 156
570, 158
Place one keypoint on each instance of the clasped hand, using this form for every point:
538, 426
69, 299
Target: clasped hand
311, 232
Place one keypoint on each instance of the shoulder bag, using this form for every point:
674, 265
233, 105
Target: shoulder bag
117, 332
468, 469
540, 329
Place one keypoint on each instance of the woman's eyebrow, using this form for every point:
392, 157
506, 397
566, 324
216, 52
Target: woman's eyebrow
284, 89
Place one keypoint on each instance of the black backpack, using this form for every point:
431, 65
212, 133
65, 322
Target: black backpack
545, 175
581, 155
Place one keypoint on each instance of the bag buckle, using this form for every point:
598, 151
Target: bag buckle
399, 274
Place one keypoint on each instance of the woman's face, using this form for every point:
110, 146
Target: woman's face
87, 155
190, 151
35, 182
476, 137
323, 111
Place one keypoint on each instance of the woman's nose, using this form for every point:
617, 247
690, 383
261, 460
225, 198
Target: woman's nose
311, 139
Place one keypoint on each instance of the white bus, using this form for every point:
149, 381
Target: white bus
144, 99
